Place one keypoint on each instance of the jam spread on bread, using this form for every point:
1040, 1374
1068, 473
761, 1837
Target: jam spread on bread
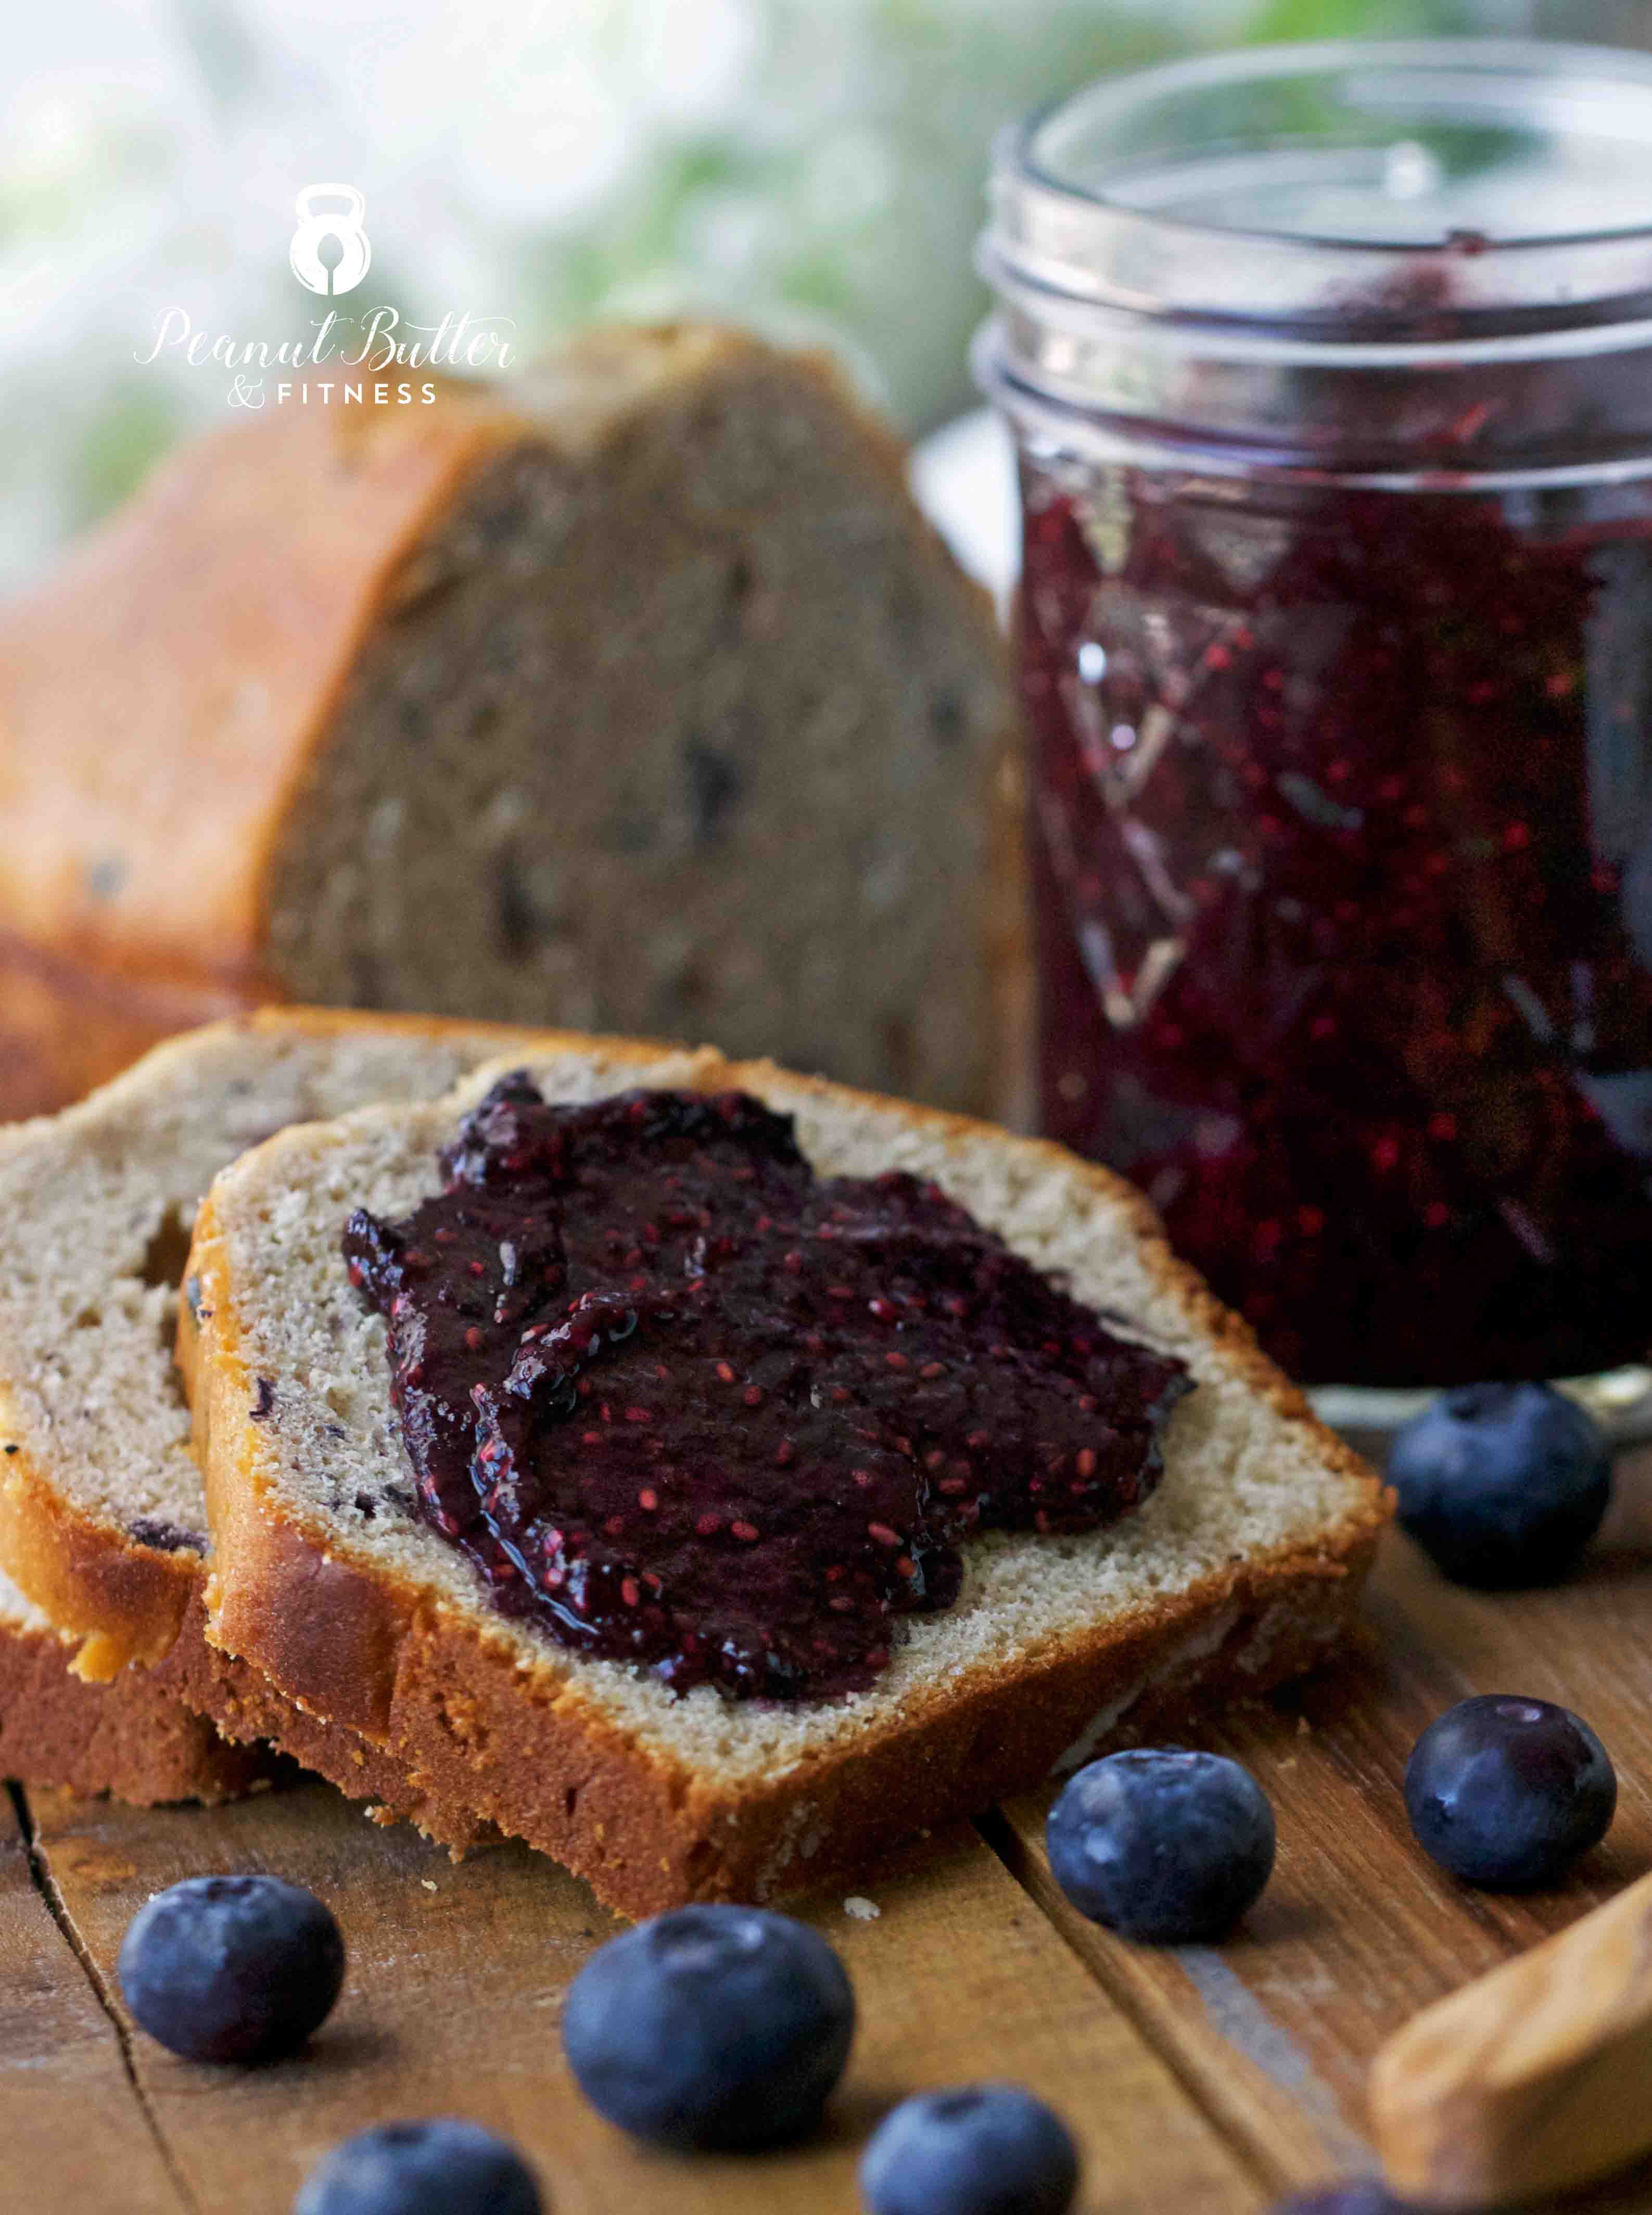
688, 1405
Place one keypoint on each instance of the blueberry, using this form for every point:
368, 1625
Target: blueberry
445, 2167
983, 2150
1161, 1845
1502, 1485
232, 1968
1505, 1792
1360, 2196
711, 2027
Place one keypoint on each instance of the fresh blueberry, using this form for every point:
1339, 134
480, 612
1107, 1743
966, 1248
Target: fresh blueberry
445, 2167
1506, 1792
1361, 2195
232, 1968
1161, 1845
1502, 1485
711, 2027
983, 2150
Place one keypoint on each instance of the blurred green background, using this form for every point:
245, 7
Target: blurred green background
813, 166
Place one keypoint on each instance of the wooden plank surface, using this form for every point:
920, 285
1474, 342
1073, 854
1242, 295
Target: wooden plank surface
1204, 2079
457, 1972
1357, 1929
73, 2134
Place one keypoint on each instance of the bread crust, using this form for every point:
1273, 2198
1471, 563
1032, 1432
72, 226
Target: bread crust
200, 1680
255, 560
124, 1602
66, 1026
483, 1734
134, 1739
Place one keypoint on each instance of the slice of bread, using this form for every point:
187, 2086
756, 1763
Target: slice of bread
134, 1738
1244, 1566
103, 1519
634, 692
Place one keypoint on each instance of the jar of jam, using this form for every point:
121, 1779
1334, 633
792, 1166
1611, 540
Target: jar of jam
1330, 370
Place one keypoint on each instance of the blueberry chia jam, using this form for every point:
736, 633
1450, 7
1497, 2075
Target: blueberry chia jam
1330, 370
688, 1405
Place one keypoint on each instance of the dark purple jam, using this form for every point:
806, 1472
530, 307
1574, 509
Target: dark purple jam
1343, 854
690, 1406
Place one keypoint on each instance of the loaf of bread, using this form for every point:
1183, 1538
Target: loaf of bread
102, 1520
635, 694
1245, 1565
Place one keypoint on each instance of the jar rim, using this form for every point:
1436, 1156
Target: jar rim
1461, 347
1123, 234
1616, 70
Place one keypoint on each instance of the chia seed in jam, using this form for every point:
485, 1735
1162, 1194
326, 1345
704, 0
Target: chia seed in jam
1342, 861
687, 1405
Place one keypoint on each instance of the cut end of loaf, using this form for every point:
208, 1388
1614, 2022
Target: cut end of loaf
679, 722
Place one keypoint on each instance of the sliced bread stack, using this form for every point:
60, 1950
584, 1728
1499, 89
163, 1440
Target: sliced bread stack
1244, 1566
324, 1618
105, 1674
634, 694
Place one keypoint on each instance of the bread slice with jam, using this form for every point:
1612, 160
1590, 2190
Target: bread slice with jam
1243, 1566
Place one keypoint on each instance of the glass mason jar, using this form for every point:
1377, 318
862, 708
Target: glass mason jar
1330, 370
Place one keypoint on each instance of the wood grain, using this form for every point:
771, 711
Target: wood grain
1201, 2079
456, 1976
72, 2133
1274, 2031
1532, 2079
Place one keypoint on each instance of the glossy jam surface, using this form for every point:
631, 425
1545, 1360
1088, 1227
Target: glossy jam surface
692, 1406
1342, 847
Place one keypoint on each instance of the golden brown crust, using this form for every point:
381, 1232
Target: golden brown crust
66, 1026
449, 1698
247, 1707
211, 623
124, 1601
135, 1738
199, 1726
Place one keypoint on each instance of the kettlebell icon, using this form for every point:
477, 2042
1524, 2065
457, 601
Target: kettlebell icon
350, 263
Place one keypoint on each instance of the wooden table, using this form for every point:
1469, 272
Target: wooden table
1201, 2081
